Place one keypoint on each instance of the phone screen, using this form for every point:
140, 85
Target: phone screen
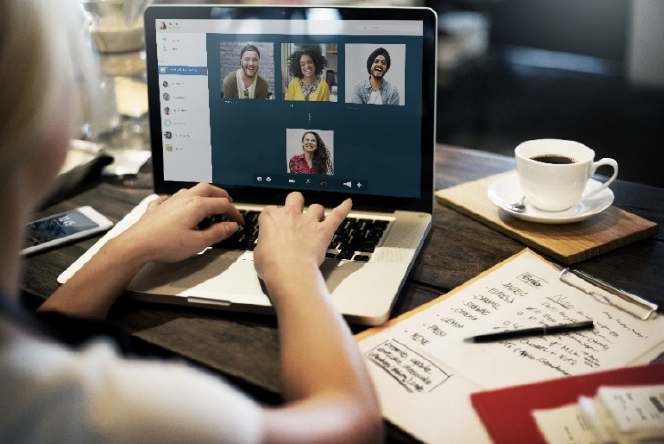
57, 227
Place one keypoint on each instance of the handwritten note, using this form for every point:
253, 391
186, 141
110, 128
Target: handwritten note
413, 371
424, 372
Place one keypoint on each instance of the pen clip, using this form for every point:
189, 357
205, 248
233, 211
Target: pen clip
609, 294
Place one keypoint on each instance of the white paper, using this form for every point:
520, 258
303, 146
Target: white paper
617, 415
636, 410
565, 425
597, 417
424, 372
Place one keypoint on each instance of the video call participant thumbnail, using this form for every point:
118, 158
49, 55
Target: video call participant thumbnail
306, 65
376, 90
315, 157
245, 82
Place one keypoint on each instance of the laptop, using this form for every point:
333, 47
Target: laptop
206, 125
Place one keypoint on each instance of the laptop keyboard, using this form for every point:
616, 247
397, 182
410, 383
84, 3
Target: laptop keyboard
355, 239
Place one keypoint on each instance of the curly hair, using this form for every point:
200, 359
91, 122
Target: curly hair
376, 53
322, 161
312, 51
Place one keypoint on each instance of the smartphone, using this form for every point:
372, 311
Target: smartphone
64, 227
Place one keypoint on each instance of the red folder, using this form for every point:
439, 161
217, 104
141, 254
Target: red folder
506, 412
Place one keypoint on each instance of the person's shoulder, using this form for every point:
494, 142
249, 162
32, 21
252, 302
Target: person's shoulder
230, 79
262, 87
294, 87
390, 87
230, 75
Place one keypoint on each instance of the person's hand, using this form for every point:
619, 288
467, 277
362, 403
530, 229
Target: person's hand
167, 231
289, 239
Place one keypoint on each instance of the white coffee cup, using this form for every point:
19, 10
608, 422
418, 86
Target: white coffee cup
558, 179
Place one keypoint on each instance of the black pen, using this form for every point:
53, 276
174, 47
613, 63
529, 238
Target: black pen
537, 331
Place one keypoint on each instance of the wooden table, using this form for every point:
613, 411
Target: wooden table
244, 348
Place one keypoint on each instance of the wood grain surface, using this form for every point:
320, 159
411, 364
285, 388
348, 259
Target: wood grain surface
567, 243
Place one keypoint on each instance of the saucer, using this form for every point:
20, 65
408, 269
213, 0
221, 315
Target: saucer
507, 190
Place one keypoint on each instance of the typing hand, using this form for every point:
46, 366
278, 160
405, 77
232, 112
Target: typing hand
167, 231
289, 239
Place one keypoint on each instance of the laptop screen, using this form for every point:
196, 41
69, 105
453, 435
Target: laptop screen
265, 100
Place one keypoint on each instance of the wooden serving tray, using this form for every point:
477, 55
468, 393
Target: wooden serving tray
567, 243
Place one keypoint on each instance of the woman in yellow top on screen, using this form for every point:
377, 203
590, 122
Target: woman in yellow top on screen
306, 65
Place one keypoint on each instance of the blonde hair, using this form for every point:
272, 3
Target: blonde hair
38, 46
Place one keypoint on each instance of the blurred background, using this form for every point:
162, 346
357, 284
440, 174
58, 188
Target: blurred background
513, 70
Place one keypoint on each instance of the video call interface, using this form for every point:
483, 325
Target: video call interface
323, 105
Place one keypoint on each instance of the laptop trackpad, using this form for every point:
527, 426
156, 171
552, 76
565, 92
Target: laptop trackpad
335, 272
202, 269
186, 274
227, 269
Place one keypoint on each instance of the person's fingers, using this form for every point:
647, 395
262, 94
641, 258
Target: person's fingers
316, 211
209, 200
233, 213
268, 210
180, 192
203, 189
208, 206
294, 202
195, 241
338, 214
218, 232
156, 202
208, 190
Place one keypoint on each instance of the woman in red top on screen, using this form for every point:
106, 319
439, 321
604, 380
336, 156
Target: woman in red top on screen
315, 159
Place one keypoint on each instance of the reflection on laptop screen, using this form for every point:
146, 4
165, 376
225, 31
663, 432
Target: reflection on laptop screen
321, 104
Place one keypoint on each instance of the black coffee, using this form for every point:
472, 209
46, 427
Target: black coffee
554, 158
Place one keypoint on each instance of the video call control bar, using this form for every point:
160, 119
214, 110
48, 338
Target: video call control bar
317, 182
